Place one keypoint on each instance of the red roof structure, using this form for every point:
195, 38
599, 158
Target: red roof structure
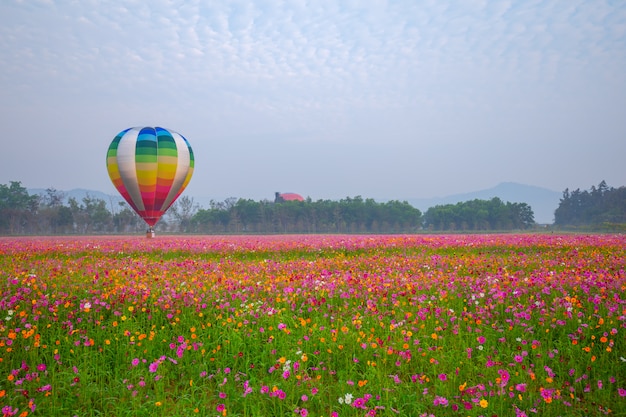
289, 197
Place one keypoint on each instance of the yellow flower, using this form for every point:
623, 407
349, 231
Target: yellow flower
484, 403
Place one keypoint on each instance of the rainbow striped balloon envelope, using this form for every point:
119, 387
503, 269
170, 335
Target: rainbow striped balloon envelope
150, 167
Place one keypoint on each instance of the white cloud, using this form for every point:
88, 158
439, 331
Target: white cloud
319, 72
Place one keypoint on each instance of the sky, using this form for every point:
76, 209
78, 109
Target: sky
391, 99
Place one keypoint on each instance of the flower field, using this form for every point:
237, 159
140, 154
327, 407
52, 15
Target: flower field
467, 325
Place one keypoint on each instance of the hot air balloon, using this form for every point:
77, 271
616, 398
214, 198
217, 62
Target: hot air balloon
150, 167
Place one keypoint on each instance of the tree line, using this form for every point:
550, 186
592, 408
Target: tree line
597, 206
52, 213
479, 215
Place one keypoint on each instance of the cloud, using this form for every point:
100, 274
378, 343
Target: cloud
321, 73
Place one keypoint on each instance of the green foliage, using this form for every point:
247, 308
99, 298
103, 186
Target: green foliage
313, 326
349, 215
601, 205
17, 207
478, 215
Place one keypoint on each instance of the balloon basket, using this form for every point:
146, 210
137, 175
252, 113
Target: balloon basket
150, 233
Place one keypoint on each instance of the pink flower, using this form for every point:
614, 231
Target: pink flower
304, 412
442, 401
504, 377
621, 392
442, 377
220, 408
135, 362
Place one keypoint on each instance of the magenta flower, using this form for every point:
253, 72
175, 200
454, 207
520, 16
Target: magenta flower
442, 401
504, 377
220, 408
621, 392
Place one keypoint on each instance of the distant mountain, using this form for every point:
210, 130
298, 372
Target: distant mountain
542, 200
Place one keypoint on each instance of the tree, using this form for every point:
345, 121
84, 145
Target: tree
479, 215
17, 208
601, 204
183, 211
54, 217
91, 215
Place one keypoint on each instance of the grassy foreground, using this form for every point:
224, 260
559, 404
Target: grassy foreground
313, 325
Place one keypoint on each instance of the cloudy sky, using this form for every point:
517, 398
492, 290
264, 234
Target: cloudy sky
383, 99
